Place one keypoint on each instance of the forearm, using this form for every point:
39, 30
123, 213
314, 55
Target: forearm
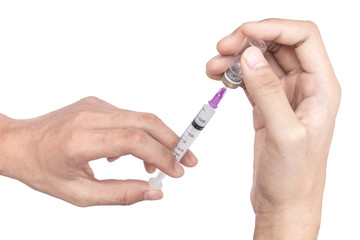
7, 151
2, 142
296, 224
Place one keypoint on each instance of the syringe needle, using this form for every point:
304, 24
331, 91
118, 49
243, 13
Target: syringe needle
217, 98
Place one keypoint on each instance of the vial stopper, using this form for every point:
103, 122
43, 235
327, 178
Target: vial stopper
232, 78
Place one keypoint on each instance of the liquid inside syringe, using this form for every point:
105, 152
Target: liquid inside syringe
191, 133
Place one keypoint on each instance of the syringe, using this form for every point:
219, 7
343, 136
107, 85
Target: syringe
191, 133
232, 78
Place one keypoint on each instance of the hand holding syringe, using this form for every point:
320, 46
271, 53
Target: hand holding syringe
232, 78
191, 133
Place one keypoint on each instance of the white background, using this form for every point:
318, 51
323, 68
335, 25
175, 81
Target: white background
150, 56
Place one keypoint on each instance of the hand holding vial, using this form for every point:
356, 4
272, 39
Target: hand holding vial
295, 97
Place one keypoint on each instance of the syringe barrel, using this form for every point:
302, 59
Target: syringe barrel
193, 130
187, 139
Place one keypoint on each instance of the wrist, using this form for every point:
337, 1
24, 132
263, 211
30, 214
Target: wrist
293, 223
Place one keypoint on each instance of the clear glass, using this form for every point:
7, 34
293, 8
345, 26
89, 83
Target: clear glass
234, 73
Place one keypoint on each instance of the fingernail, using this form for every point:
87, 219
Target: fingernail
178, 168
254, 58
192, 157
152, 195
227, 36
215, 59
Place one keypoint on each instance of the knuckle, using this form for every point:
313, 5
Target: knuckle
312, 30
271, 20
312, 25
124, 196
90, 100
134, 136
125, 199
68, 145
79, 115
150, 118
74, 136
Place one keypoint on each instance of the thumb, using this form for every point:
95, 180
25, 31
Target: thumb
265, 89
115, 192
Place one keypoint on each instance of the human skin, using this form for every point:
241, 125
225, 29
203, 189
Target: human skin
51, 153
295, 97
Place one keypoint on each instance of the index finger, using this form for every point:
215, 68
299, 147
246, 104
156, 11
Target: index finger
304, 36
84, 146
